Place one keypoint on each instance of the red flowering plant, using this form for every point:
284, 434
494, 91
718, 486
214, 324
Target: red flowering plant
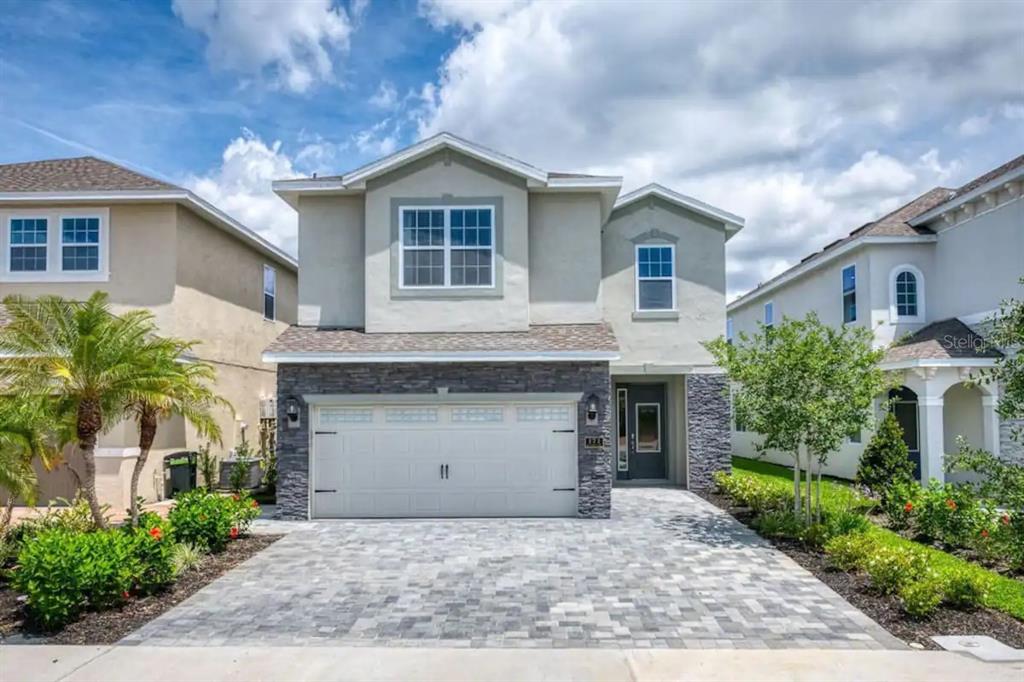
950, 514
900, 504
203, 519
154, 547
244, 511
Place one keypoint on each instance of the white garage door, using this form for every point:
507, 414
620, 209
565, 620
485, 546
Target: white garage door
488, 459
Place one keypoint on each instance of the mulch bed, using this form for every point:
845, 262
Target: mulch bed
886, 610
107, 627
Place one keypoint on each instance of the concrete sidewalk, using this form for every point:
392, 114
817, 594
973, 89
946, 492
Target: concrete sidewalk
252, 664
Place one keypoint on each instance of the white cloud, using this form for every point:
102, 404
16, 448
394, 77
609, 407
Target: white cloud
769, 110
379, 140
296, 42
873, 174
386, 96
240, 186
975, 125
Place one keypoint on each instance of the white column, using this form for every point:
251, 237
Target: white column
931, 438
990, 423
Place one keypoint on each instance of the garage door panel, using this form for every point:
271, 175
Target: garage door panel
502, 460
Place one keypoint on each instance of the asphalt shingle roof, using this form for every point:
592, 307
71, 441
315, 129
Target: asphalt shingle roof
81, 174
942, 340
538, 339
989, 176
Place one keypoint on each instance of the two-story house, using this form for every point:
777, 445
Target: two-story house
481, 337
69, 227
925, 279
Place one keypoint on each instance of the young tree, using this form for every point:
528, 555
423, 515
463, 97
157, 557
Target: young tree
1008, 333
803, 387
86, 360
181, 386
886, 460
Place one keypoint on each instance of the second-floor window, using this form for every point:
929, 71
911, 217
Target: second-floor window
447, 247
269, 292
80, 244
728, 330
28, 245
850, 293
655, 277
906, 294
769, 315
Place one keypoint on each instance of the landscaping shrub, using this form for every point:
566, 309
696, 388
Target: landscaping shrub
784, 524
62, 573
154, 547
921, 598
964, 589
207, 465
815, 535
950, 514
901, 503
208, 520
845, 521
886, 460
850, 552
203, 518
891, 568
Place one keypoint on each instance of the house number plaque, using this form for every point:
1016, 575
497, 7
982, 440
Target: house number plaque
593, 441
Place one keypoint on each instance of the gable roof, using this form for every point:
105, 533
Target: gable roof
81, 174
942, 340
91, 180
986, 182
733, 223
892, 226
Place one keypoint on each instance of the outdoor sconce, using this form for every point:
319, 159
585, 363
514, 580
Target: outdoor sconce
592, 410
291, 410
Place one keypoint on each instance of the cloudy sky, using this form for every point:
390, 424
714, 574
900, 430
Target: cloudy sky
806, 118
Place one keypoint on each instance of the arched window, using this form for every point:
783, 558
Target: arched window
906, 294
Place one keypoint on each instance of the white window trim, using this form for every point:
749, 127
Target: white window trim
446, 247
636, 425
621, 400
637, 278
273, 294
764, 311
842, 294
54, 241
894, 316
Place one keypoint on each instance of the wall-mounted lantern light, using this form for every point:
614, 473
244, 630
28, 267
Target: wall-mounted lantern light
291, 411
592, 408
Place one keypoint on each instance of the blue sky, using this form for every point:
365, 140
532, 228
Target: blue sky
806, 118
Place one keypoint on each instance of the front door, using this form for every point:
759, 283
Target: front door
642, 443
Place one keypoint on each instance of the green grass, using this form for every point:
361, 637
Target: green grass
1004, 594
835, 493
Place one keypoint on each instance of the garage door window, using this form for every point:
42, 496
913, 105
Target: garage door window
411, 414
338, 415
546, 413
477, 414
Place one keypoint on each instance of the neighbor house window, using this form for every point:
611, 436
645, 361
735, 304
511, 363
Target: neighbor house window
769, 314
27, 245
850, 293
655, 277
447, 247
906, 294
728, 330
269, 292
80, 244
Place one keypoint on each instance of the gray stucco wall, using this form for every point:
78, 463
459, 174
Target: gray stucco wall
332, 254
590, 378
707, 428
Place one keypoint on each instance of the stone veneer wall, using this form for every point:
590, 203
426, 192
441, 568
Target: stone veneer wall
595, 466
707, 428
1010, 449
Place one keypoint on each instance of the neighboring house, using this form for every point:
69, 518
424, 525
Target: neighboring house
73, 226
481, 337
925, 278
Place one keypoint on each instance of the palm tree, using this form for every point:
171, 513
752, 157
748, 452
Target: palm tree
89, 362
182, 388
22, 440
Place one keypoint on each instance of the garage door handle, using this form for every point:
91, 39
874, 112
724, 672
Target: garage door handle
563, 430
325, 490
563, 490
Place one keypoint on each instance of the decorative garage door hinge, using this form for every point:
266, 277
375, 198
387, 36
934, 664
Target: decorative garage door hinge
563, 490
325, 490
325, 433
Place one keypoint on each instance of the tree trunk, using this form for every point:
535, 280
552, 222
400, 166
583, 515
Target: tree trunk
796, 482
817, 511
8, 513
147, 433
90, 421
808, 515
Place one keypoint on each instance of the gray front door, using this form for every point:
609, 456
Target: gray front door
642, 436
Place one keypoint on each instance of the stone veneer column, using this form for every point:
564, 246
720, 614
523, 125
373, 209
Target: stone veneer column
594, 465
707, 428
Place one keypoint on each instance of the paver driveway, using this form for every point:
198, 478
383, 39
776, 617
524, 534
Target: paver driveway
668, 570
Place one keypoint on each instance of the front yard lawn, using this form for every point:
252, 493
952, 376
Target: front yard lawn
1005, 594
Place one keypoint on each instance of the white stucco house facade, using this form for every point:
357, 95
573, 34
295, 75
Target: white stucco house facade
925, 279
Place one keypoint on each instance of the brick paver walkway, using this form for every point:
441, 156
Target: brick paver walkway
668, 570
